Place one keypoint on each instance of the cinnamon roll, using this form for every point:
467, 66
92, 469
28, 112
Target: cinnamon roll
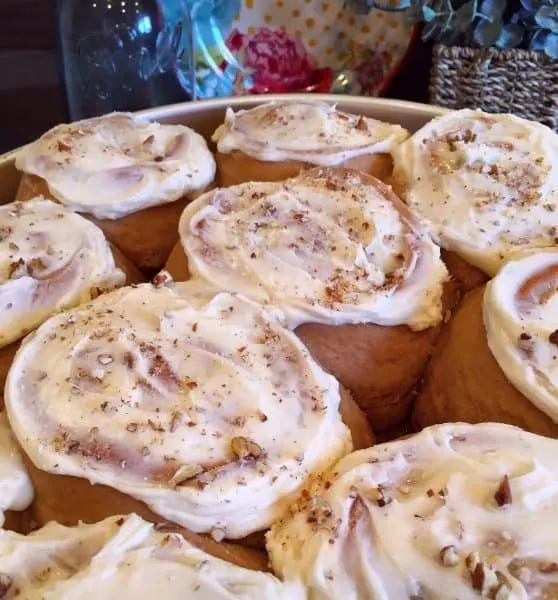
486, 185
497, 359
16, 489
196, 404
50, 259
457, 511
131, 177
277, 140
125, 557
346, 262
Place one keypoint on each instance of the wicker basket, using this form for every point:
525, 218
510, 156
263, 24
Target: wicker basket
516, 81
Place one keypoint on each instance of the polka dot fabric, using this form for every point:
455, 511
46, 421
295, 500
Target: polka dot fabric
303, 46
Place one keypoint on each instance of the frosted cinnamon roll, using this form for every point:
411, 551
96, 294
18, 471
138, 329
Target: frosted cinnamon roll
196, 404
125, 557
50, 259
277, 140
487, 186
132, 177
346, 262
457, 511
498, 358
16, 489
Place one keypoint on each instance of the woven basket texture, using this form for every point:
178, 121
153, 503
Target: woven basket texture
516, 81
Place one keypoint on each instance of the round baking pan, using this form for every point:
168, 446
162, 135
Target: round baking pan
207, 115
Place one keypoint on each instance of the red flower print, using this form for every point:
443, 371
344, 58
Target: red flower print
279, 62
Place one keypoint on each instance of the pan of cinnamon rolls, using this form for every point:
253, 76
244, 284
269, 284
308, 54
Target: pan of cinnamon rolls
284, 348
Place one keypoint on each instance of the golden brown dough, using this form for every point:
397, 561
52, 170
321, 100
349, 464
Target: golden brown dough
69, 500
236, 167
146, 237
464, 382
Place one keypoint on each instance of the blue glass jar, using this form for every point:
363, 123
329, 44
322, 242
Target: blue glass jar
121, 55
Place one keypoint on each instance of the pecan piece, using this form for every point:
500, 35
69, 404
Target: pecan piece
185, 473
503, 495
162, 278
244, 448
449, 556
6, 583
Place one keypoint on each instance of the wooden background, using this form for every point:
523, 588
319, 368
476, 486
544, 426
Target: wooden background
32, 97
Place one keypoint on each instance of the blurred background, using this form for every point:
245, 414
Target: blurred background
43, 83
71, 59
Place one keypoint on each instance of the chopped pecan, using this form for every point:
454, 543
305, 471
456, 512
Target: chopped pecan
503, 495
449, 556
244, 448
361, 124
320, 513
553, 337
35, 266
162, 278
548, 567
186, 473
484, 578
63, 146
17, 269
6, 583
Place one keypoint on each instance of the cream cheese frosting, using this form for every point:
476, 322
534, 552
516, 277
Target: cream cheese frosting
486, 184
313, 132
116, 165
331, 246
457, 511
16, 489
124, 557
520, 311
196, 402
50, 259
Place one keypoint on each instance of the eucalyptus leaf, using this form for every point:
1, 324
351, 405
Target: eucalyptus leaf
486, 33
538, 40
551, 46
430, 31
493, 9
510, 36
428, 14
464, 17
531, 6
547, 18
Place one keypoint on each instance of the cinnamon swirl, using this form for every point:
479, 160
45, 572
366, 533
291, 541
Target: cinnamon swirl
277, 140
50, 259
131, 177
486, 185
16, 489
498, 358
457, 511
125, 557
344, 259
198, 404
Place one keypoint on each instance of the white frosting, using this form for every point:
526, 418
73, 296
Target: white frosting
201, 405
330, 246
487, 184
116, 165
50, 259
313, 132
124, 557
521, 319
398, 521
16, 489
